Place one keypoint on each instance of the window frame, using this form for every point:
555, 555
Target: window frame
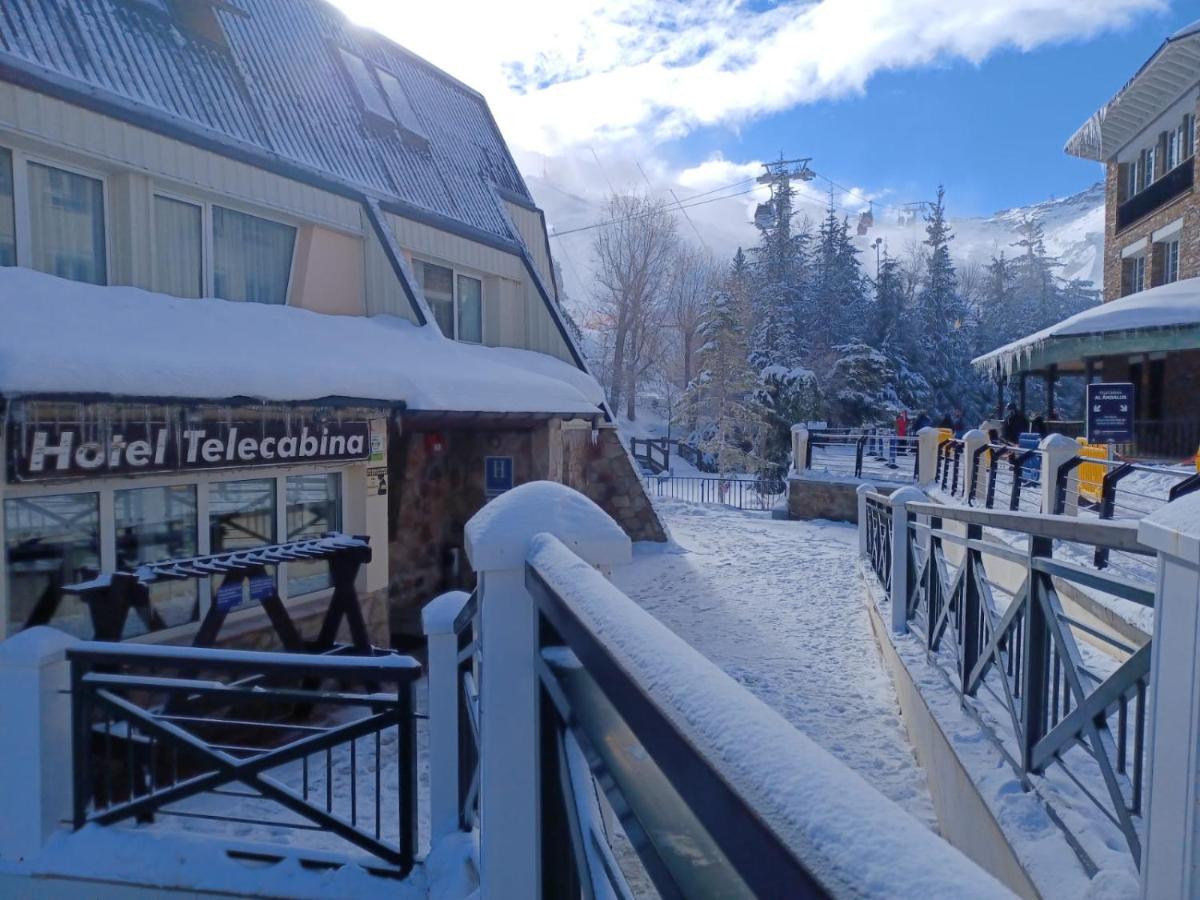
1171, 260
22, 209
106, 488
207, 242
455, 272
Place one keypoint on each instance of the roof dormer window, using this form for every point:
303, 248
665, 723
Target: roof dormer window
382, 98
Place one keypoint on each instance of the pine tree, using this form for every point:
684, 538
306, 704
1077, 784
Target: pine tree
721, 397
834, 305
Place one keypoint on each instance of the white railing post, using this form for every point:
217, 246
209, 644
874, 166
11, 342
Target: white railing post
437, 620
899, 576
1171, 852
927, 447
800, 440
35, 709
861, 491
972, 441
497, 542
1058, 449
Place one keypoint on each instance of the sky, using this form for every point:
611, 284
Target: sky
888, 97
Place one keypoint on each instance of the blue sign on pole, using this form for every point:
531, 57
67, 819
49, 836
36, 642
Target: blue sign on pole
497, 475
1110, 411
262, 587
229, 595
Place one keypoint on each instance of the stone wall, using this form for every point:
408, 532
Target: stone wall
826, 498
596, 464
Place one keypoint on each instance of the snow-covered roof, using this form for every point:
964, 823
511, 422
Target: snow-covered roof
279, 89
1169, 306
64, 337
1162, 79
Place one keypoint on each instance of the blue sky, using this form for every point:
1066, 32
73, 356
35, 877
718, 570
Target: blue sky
993, 133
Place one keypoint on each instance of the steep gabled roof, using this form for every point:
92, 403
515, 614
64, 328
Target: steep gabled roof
1162, 79
275, 84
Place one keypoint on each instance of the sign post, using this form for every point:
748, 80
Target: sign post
1110, 410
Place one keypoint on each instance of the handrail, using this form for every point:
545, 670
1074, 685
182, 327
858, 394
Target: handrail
1114, 534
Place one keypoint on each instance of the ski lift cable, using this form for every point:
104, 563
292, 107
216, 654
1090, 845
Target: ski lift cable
681, 206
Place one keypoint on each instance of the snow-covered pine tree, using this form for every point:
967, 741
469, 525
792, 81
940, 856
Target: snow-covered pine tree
833, 307
861, 388
893, 330
721, 398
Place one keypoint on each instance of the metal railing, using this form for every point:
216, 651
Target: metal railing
653, 453
466, 627
1021, 647
752, 492
867, 453
238, 737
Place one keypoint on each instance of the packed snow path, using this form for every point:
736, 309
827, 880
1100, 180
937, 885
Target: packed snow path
778, 605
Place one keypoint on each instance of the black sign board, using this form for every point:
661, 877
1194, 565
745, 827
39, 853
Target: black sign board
44, 451
1110, 413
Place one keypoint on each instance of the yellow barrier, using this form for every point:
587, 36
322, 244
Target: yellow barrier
1091, 475
945, 434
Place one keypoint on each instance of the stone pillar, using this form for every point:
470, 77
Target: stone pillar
1171, 853
900, 598
1056, 450
497, 540
927, 447
445, 695
972, 441
799, 447
35, 712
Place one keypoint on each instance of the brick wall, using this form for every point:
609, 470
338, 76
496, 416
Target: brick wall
1187, 206
597, 465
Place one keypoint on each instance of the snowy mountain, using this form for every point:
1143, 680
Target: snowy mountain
1074, 230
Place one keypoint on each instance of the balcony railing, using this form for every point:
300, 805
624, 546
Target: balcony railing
1176, 182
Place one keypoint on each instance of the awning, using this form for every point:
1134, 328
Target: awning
1160, 319
60, 337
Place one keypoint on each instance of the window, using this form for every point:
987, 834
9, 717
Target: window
455, 301
1148, 170
153, 524
402, 112
241, 514
370, 97
8, 218
1185, 138
50, 542
252, 257
66, 223
178, 247
314, 507
1171, 261
1133, 274
470, 309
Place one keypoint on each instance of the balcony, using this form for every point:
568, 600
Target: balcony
1176, 182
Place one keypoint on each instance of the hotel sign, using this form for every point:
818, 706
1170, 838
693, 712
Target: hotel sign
38, 451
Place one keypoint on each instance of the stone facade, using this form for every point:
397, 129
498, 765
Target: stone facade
598, 466
1186, 206
826, 498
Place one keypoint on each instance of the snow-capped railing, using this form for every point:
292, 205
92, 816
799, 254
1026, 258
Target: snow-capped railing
1071, 708
755, 492
602, 713
867, 453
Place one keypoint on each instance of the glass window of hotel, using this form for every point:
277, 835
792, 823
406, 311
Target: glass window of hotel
252, 257
470, 309
314, 507
241, 515
437, 282
178, 247
50, 542
153, 524
66, 224
8, 219
1171, 261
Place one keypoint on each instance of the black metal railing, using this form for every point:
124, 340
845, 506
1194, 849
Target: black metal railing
1173, 184
466, 627
261, 740
653, 453
1022, 645
879, 538
751, 492
866, 453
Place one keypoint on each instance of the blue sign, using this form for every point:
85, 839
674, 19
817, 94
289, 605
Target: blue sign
1110, 412
497, 475
229, 595
1032, 470
262, 587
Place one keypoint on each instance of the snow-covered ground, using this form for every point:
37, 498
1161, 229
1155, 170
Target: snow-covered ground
777, 605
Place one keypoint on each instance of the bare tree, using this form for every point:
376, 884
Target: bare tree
634, 253
694, 278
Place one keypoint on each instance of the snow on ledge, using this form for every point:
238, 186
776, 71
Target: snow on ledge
853, 839
61, 337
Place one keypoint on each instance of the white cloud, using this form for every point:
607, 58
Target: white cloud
562, 73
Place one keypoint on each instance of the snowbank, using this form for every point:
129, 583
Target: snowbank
851, 837
1167, 306
61, 336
